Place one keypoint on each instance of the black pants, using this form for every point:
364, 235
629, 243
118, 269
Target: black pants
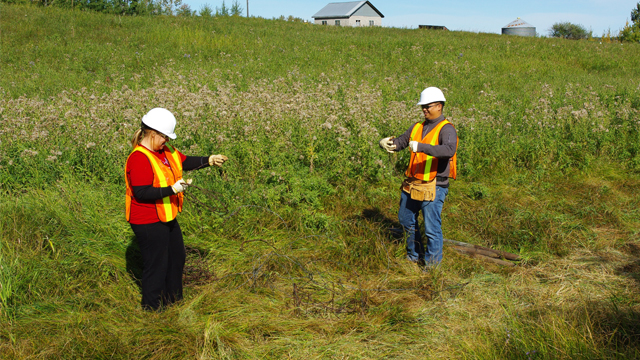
163, 257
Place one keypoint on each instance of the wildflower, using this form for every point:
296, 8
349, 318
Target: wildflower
28, 152
579, 114
90, 145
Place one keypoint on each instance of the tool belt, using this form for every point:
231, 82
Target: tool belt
420, 190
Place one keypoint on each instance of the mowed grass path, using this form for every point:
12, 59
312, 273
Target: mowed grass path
290, 249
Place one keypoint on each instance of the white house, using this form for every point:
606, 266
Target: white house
353, 13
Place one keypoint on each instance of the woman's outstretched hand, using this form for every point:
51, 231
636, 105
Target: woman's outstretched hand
217, 160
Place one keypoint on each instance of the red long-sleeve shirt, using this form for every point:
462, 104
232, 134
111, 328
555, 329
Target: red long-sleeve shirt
140, 176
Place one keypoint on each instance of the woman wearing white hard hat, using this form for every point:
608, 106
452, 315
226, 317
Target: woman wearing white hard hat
433, 145
155, 186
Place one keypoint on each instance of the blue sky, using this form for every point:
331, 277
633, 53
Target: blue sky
468, 15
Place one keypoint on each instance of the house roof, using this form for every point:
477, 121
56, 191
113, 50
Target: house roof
343, 9
518, 23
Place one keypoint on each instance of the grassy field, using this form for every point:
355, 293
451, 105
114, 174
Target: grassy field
290, 253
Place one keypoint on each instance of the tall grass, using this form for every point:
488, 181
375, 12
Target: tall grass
289, 248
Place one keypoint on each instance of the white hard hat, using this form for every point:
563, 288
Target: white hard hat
431, 95
161, 120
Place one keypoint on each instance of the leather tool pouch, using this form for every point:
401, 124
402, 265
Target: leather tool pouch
420, 190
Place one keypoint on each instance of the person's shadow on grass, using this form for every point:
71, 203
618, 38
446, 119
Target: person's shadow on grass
391, 226
133, 258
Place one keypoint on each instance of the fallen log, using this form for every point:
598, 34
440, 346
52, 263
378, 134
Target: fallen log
471, 250
485, 250
475, 254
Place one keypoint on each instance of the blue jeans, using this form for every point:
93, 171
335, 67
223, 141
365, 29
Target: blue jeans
431, 211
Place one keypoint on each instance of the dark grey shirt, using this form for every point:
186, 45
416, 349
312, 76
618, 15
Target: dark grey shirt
448, 141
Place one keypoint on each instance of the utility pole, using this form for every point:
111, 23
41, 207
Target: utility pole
247, 8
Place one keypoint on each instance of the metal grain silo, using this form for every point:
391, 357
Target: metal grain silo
519, 27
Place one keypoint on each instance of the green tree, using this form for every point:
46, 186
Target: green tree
631, 32
142, 7
206, 11
185, 10
236, 9
169, 7
223, 11
635, 14
568, 30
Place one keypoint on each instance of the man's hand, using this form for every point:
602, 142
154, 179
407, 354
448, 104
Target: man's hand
414, 146
387, 144
217, 160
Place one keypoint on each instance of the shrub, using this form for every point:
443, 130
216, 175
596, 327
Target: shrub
568, 30
630, 33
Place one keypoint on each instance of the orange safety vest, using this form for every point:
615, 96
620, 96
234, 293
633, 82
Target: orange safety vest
421, 161
163, 176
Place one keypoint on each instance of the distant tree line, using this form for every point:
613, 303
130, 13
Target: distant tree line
630, 32
138, 7
206, 10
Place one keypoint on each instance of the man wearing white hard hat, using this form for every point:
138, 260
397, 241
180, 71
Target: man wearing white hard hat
154, 183
433, 144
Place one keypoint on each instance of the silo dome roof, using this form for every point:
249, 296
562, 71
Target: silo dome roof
518, 23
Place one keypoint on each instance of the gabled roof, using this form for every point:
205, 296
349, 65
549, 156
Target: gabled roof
343, 9
518, 23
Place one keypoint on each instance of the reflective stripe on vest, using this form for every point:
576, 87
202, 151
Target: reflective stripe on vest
420, 162
168, 207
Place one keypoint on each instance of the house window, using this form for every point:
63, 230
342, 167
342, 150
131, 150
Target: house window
371, 23
337, 22
357, 22
324, 22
